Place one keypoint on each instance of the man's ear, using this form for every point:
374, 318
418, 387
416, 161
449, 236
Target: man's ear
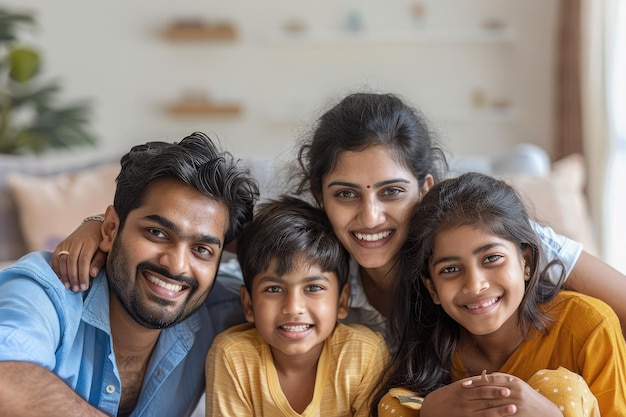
108, 229
246, 301
428, 282
344, 302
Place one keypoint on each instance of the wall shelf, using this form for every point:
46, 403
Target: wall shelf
503, 35
202, 108
197, 31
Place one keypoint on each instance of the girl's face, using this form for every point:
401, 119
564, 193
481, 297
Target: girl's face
478, 279
368, 198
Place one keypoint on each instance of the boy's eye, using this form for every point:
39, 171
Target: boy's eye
314, 288
273, 288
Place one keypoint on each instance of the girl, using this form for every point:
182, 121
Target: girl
470, 298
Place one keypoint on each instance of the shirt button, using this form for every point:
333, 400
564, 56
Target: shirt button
110, 389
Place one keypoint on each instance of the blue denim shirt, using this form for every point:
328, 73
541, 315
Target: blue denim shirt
70, 334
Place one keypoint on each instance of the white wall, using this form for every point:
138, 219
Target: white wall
111, 52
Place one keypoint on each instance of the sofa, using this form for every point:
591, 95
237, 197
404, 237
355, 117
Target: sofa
42, 199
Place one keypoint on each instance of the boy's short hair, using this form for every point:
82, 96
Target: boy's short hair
287, 230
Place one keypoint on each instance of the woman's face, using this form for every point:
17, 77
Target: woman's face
368, 198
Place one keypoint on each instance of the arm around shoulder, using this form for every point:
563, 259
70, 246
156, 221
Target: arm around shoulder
593, 277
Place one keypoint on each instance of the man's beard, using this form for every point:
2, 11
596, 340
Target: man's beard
147, 312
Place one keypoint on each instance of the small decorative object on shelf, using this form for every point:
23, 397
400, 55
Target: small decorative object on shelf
493, 24
354, 21
417, 10
198, 105
199, 30
294, 27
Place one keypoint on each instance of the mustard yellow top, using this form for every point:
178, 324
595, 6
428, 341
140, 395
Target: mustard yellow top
585, 337
242, 379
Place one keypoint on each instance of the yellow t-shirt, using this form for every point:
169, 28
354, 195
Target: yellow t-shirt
584, 337
242, 381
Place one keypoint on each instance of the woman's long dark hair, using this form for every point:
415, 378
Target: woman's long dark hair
427, 336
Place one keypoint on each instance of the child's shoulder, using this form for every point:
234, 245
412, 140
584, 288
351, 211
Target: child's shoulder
583, 308
237, 335
578, 301
356, 334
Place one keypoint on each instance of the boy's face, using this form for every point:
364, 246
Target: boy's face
296, 312
163, 262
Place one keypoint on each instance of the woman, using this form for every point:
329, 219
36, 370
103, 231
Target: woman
368, 162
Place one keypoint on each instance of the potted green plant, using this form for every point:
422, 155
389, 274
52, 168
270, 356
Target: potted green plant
31, 120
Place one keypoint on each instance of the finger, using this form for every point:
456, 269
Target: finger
59, 265
485, 379
72, 266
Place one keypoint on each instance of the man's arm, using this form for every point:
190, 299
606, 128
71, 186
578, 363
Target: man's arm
27, 390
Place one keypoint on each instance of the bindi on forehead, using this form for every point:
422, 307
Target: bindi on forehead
368, 186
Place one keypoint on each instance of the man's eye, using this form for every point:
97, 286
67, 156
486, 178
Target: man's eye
156, 232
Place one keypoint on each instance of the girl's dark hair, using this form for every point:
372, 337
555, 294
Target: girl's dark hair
428, 337
362, 120
288, 230
195, 161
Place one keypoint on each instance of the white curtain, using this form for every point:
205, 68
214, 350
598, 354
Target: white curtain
604, 114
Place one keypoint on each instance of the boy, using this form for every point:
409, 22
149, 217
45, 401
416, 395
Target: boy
296, 360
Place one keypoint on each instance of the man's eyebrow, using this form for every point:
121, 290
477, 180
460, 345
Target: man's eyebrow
376, 185
170, 225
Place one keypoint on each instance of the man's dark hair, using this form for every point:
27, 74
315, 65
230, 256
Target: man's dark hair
195, 161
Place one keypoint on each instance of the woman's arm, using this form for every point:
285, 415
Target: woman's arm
77, 258
593, 277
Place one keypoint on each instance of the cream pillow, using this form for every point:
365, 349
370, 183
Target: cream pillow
558, 200
51, 207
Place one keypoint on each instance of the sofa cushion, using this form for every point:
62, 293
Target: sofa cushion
49, 208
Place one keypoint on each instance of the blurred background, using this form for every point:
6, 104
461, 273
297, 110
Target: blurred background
487, 74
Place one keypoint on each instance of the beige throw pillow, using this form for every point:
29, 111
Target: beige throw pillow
51, 207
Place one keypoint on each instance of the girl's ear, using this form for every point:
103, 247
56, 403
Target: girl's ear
528, 262
344, 302
428, 282
246, 300
109, 228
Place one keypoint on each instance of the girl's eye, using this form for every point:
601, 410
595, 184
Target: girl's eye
450, 269
273, 288
492, 258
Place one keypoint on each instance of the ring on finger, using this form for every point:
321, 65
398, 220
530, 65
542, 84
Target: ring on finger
61, 253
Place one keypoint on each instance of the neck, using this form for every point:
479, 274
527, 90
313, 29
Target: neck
379, 287
129, 337
488, 352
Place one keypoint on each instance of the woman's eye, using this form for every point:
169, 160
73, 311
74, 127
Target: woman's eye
392, 192
345, 194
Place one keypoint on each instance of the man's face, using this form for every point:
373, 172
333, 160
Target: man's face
162, 264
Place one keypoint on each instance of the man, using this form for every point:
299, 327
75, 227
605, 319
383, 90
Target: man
135, 343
